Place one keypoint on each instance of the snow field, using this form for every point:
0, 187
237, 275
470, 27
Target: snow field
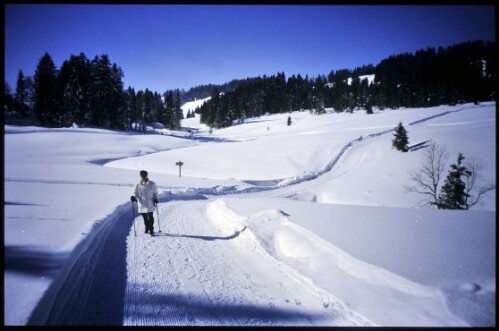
341, 246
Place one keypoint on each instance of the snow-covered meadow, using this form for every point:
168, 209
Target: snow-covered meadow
269, 224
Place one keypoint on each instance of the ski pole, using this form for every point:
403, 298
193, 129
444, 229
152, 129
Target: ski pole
157, 213
133, 213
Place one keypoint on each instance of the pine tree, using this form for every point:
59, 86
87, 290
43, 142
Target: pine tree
131, 115
178, 113
454, 194
101, 91
74, 90
400, 140
168, 118
116, 119
107, 94
159, 107
21, 96
140, 124
46, 96
369, 108
148, 107
223, 116
214, 108
9, 100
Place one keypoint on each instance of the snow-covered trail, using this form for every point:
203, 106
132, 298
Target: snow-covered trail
345, 160
210, 278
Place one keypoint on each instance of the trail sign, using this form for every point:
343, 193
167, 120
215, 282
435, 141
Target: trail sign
180, 164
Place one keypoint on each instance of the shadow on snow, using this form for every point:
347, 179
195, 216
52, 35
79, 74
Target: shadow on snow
208, 238
90, 288
32, 260
190, 310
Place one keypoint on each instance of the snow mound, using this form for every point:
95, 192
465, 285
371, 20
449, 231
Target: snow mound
272, 232
227, 221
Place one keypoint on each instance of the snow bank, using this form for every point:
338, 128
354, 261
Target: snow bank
321, 261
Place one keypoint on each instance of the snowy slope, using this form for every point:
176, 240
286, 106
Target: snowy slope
269, 225
193, 105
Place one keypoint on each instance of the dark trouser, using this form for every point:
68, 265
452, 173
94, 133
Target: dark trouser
148, 221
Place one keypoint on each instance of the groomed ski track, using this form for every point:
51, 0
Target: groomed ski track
216, 278
210, 278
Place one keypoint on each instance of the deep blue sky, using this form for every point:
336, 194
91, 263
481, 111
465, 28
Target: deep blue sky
164, 47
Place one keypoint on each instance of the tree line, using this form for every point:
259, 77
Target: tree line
91, 93
203, 91
457, 74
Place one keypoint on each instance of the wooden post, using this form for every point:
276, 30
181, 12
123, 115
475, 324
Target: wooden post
179, 163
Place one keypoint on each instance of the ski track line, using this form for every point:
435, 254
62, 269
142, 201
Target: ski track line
90, 289
310, 176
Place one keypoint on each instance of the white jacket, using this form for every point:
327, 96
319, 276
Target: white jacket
145, 193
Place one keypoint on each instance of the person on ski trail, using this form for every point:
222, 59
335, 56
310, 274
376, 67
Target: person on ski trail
146, 194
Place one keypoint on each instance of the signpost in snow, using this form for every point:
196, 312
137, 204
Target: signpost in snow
179, 163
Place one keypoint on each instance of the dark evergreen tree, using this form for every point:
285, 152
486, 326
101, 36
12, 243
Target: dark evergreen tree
363, 96
355, 94
9, 100
30, 95
210, 110
46, 92
21, 97
148, 108
281, 100
339, 92
237, 106
107, 94
116, 119
130, 108
400, 140
167, 114
223, 116
369, 108
66, 100
298, 93
75, 88
171, 108
178, 114
159, 107
292, 93
318, 91
172, 114
454, 194
140, 115
100, 94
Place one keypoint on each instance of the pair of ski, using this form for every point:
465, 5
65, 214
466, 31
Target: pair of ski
133, 220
